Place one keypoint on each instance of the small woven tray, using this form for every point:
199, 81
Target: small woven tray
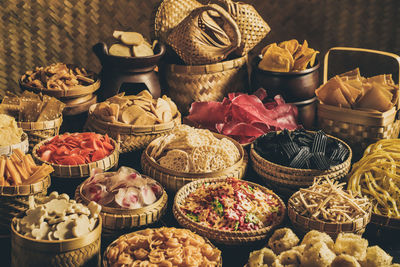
130, 137
14, 200
295, 178
115, 219
305, 224
42, 130
81, 251
74, 92
79, 171
23, 146
173, 181
223, 236
126, 237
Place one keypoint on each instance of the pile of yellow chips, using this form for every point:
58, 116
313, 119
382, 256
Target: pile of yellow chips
287, 56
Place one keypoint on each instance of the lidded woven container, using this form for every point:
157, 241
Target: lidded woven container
116, 220
224, 236
359, 128
188, 84
173, 180
15, 199
130, 137
81, 251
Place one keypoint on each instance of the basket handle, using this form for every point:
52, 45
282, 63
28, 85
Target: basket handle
353, 49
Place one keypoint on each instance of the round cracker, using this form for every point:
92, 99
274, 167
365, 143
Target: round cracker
120, 50
142, 50
132, 38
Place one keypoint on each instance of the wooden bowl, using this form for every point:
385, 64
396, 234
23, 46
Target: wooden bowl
173, 180
223, 236
120, 219
294, 86
74, 92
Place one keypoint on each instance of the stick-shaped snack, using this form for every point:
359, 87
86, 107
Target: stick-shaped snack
2, 166
15, 176
19, 165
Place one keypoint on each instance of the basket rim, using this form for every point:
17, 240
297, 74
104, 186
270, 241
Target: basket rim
208, 68
190, 175
365, 219
126, 236
384, 221
122, 211
75, 91
34, 188
135, 129
183, 220
57, 245
42, 125
58, 166
259, 158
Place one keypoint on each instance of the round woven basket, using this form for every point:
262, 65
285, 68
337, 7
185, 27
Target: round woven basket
74, 92
187, 84
173, 181
23, 146
41, 130
223, 236
304, 224
81, 251
130, 137
293, 178
126, 237
14, 200
385, 221
119, 219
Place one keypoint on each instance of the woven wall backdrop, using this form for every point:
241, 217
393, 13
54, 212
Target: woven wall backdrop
40, 32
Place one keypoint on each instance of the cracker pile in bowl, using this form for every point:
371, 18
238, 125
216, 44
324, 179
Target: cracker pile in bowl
56, 217
187, 149
287, 56
20, 169
318, 249
140, 109
10, 133
57, 76
125, 188
131, 44
166, 246
351, 90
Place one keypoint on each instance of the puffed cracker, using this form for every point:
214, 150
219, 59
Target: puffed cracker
176, 159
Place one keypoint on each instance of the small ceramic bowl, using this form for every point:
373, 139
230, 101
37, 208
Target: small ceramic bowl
294, 86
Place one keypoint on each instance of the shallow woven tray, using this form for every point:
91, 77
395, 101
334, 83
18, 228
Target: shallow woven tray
295, 178
81, 251
79, 171
173, 181
42, 130
126, 237
304, 224
130, 137
74, 92
117, 219
223, 236
23, 146
14, 200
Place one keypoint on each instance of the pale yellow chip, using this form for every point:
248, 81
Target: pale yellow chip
276, 59
290, 45
176, 159
132, 38
142, 50
120, 50
301, 49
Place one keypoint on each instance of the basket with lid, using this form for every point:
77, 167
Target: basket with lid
364, 125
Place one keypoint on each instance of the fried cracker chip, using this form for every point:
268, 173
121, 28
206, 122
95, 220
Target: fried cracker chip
290, 45
276, 59
120, 50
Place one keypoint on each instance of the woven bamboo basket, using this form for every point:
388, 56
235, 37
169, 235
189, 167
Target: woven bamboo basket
14, 200
130, 137
292, 178
304, 224
81, 251
118, 219
41, 130
252, 26
385, 222
223, 236
23, 146
173, 181
358, 128
169, 14
126, 237
187, 84
74, 92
